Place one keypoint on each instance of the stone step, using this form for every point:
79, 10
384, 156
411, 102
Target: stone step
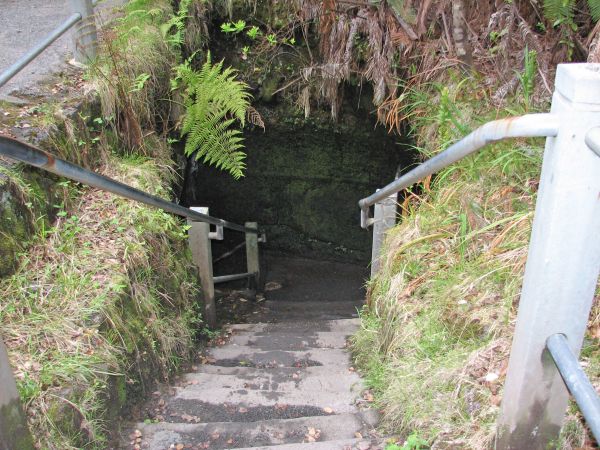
289, 340
241, 355
221, 435
242, 394
266, 381
282, 372
344, 444
349, 326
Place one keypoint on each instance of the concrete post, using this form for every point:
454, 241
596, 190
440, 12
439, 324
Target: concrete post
85, 36
252, 258
562, 266
384, 218
14, 433
199, 241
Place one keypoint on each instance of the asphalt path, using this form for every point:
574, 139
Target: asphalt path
24, 23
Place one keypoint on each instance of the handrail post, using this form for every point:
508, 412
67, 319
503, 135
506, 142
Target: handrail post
384, 218
85, 36
562, 266
199, 242
14, 432
252, 254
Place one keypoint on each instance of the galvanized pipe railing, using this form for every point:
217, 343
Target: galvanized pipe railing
25, 153
12, 419
576, 380
233, 277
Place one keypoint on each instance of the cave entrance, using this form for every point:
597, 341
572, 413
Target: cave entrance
303, 181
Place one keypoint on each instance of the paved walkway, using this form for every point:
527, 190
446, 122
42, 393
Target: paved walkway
25, 23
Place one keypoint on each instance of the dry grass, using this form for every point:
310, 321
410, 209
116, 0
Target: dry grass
132, 74
442, 311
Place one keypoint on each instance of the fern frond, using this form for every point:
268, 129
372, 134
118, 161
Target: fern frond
215, 101
594, 9
559, 10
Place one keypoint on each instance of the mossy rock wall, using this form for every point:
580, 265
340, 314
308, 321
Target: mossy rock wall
303, 182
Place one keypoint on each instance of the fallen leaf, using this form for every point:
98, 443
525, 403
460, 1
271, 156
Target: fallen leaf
312, 435
272, 286
491, 377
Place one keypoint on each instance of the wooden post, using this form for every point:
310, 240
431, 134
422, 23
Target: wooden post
199, 241
252, 258
14, 433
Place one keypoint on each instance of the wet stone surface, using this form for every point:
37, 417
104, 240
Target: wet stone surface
278, 379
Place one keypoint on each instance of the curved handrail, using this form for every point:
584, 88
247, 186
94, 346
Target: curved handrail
530, 125
28, 154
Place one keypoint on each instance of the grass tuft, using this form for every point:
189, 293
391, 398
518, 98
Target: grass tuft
105, 297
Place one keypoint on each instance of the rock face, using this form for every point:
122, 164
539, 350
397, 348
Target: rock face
284, 383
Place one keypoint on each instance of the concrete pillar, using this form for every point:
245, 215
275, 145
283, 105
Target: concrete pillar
14, 432
199, 241
562, 266
252, 256
85, 36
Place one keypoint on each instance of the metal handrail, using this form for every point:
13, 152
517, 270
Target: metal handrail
576, 380
563, 260
530, 125
36, 157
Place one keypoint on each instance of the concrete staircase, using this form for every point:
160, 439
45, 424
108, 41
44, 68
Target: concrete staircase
283, 385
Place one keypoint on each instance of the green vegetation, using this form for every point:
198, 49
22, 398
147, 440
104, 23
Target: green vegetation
437, 330
105, 298
142, 83
214, 101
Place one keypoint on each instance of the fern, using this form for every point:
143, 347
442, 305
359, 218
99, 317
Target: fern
559, 11
215, 102
563, 11
594, 9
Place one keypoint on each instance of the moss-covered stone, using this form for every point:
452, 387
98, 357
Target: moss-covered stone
13, 428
